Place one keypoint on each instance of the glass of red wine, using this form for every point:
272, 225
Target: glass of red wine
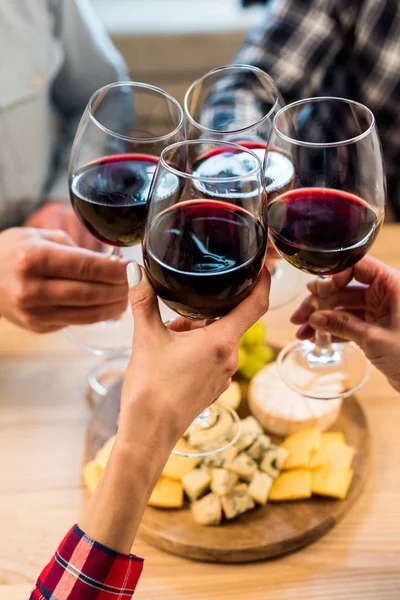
204, 246
237, 103
122, 133
325, 223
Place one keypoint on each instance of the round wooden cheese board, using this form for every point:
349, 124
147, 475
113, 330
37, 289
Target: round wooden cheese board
263, 533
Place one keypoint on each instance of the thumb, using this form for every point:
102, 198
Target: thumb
340, 324
143, 299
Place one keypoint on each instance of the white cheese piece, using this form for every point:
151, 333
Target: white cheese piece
282, 411
244, 466
274, 460
207, 511
260, 487
258, 449
250, 429
223, 481
196, 482
237, 502
220, 459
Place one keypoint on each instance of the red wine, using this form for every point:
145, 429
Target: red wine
322, 231
109, 197
203, 257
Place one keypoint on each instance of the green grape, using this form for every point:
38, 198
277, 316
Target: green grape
255, 335
251, 367
263, 353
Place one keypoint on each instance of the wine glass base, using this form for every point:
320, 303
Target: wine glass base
287, 283
208, 437
104, 376
329, 376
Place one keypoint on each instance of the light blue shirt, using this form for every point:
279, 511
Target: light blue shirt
53, 55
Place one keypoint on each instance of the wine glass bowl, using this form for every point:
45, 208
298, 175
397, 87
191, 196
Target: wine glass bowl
205, 242
326, 222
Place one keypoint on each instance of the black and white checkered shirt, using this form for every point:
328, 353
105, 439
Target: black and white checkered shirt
348, 48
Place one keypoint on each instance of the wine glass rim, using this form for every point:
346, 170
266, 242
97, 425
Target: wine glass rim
304, 101
136, 84
231, 67
214, 179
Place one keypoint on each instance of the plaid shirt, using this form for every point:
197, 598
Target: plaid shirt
84, 569
348, 48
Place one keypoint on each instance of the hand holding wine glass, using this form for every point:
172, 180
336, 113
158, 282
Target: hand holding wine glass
364, 307
327, 222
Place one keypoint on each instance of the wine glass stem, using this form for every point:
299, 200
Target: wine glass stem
114, 252
323, 340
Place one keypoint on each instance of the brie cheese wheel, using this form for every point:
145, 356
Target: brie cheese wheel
282, 411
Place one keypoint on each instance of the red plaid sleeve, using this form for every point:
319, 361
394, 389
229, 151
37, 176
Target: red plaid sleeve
82, 568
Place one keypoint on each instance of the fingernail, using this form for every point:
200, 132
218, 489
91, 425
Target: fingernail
318, 320
134, 274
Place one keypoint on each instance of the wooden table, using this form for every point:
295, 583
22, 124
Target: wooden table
43, 416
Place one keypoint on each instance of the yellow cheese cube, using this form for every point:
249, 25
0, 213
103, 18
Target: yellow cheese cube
103, 454
291, 485
299, 452
178, 466
317, 459
331, 481
91, 475
331, 436
321, 456
167, 493
314, 434
340, 455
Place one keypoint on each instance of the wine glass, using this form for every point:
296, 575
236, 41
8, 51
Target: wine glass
238, 103
326, 223
204, 247
119, 140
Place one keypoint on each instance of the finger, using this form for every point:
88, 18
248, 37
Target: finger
303, 312
369, 269
248, 312
351, 298
143, 299
54, 292
341, 324
62, 316
336, 283
55, 235
181, 324
53, 260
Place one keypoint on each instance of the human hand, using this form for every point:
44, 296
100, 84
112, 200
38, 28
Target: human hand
46, 282
176, 371
366, 312
60, 216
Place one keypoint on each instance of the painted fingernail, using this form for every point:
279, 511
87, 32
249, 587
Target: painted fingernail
318, 320
134, 274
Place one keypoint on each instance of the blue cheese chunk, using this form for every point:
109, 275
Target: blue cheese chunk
237, 502
250, 429
260, 487
207, 511
223, 481
196, 482
243, 466
220, 459
258, 449
274, 460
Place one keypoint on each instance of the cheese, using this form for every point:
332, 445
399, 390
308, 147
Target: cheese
313, 434
212, 436
292, 485
196, 483
274, 460
260, 486
237, 502
91, 475
299, 452
258, 449
207, 511
282, 411
330, 436
250, 429
178, 466
332, 481
333, 450
220, 459
231, 397
243, 466
167, 493
103, 454
223, 481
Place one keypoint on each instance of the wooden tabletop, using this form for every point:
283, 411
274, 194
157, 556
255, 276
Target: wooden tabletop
43, 417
